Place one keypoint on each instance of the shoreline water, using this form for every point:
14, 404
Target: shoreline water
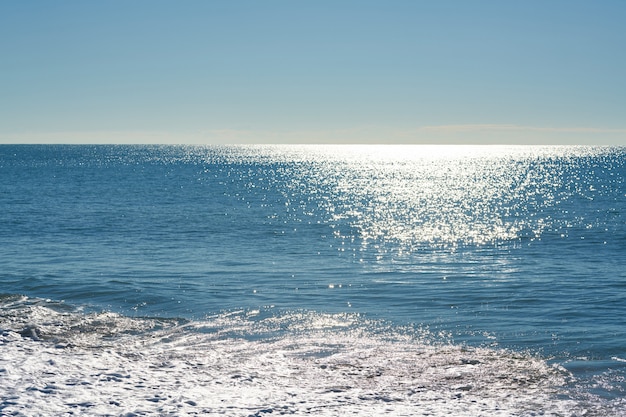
103, 363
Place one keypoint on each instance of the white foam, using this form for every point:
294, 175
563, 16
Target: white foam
115, 365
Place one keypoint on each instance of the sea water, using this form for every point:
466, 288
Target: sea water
312, 280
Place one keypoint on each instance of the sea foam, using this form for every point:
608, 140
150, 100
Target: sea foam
230, 364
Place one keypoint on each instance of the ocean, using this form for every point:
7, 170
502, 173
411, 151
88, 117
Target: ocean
312, 280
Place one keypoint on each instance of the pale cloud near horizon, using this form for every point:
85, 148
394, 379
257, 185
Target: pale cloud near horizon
511, 127
434, 134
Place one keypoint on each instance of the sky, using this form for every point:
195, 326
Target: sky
288, 71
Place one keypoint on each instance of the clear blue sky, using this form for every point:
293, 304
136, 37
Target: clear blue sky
269, 71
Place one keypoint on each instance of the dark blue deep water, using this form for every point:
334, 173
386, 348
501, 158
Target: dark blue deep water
520, 249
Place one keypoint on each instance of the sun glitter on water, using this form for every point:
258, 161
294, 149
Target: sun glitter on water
431, 196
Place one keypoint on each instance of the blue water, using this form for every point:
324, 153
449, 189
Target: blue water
516, 248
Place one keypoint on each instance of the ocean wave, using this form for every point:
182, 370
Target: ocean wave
57, 360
